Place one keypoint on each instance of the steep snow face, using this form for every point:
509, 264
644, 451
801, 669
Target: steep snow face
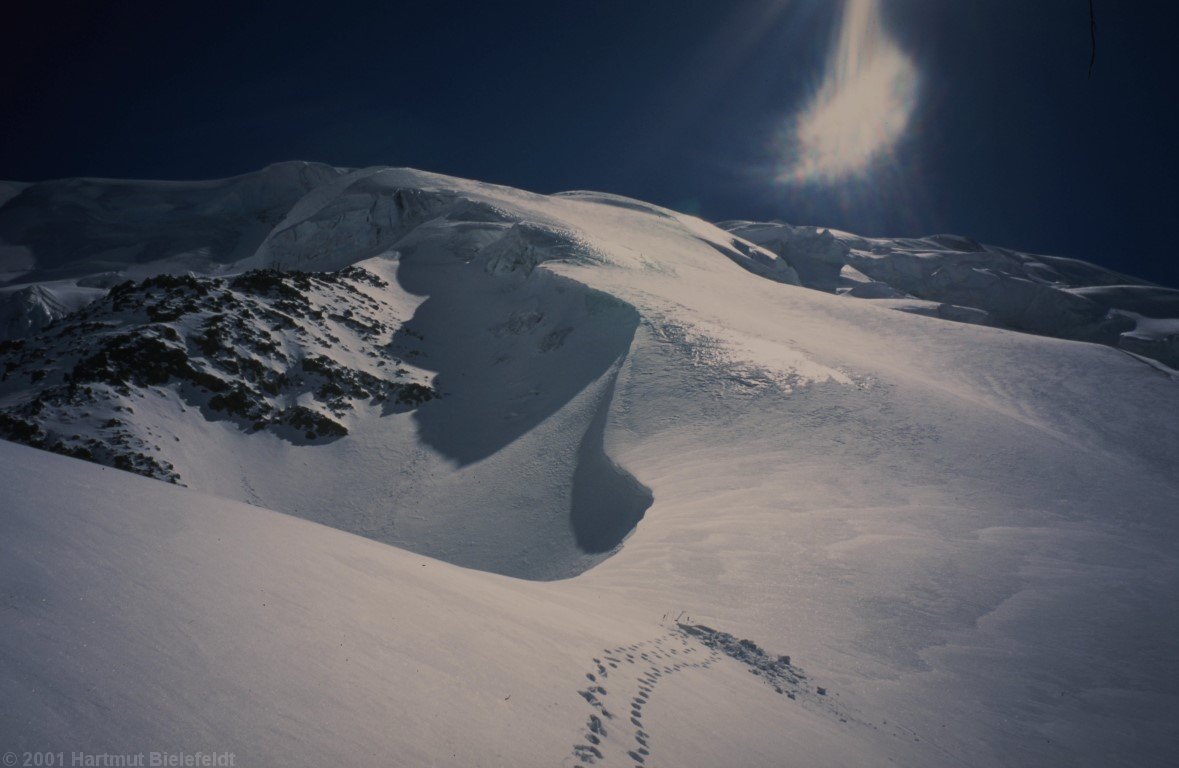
963, 534
970, 282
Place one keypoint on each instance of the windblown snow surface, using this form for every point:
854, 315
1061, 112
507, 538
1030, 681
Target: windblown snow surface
573, 480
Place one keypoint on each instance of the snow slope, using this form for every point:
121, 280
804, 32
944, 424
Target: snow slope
168, 620
963, 534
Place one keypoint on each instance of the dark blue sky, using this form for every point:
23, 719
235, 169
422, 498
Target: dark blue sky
672, 101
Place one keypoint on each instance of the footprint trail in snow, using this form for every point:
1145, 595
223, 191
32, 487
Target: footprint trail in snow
624, 680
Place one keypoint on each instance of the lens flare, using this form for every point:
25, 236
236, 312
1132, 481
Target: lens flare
861, 110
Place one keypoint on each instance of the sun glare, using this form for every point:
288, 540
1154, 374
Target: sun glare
862, 108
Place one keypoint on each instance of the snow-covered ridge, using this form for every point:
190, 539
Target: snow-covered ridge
72, 228
970, 282
85, 234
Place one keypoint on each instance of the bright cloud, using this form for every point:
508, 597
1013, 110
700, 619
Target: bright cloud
862, 108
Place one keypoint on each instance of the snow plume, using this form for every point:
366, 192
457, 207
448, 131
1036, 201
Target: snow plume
863, 106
